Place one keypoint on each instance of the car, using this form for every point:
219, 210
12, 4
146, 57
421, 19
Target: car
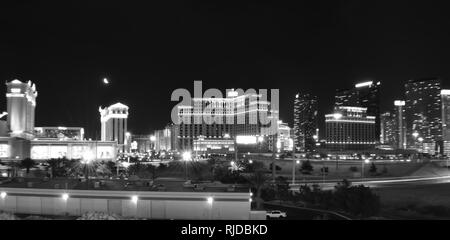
276, 214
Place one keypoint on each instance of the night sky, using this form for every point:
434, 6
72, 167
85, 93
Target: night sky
147, 51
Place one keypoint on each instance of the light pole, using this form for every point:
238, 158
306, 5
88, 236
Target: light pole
364, 161
187, 156
294, 168
87, 159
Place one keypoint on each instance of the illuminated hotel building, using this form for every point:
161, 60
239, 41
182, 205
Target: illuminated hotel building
423, 113
284, 138
21, 103
19, 139
366, 95
350, 128
232, 116
445, 95
305, 122
400, 124
114, 124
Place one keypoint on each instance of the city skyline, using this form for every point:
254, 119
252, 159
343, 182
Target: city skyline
138, 58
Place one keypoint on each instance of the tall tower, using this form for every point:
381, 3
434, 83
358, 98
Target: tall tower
21, 103
305, 122
401, 128
423, 112
114, 123
445, 94
364, 94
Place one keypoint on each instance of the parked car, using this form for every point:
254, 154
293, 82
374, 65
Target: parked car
276, 214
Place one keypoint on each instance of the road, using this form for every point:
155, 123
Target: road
299, 213
379, 183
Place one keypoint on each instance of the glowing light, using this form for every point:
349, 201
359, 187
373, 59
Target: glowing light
15, 90
152, 138
105, 81
246, 139
250, 161
210, 200
260, 139
3, 195
187, 156
364, 84
226, 135
445, 92
87, 157
298, 162
250, 200
134, 199
337, 116
367, 161
4, 174
399, 103
232, 163
415, 134
420, 139
65, 196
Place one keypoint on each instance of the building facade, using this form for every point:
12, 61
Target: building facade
388, 124
114, 124
445, 94
400, 132
423, 113
58, 133
350, 128
364, 94
235, 115
21, 104
305, 122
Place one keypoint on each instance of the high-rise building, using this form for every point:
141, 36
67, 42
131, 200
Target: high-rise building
236, 115
305, 122
423, 113
163, 139
114, 124
21, 103
284, 138
400, 124
350, 128
388, 129
364, 94
445, 94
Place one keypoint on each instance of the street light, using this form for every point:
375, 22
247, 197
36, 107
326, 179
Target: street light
87, 160
366, 161
65, 196
187, 156
134, 199
3, 195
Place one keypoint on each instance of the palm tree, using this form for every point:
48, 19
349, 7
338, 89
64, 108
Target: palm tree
27, 163
258, 180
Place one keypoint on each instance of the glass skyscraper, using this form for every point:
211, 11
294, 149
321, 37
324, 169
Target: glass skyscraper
423, 113
305, 122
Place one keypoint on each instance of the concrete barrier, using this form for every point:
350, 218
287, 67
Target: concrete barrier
148, 205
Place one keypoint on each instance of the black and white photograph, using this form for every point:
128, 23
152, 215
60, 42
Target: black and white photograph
264, 111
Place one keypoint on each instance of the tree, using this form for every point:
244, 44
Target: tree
257, 181
306, 167
27, 163
53, 165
